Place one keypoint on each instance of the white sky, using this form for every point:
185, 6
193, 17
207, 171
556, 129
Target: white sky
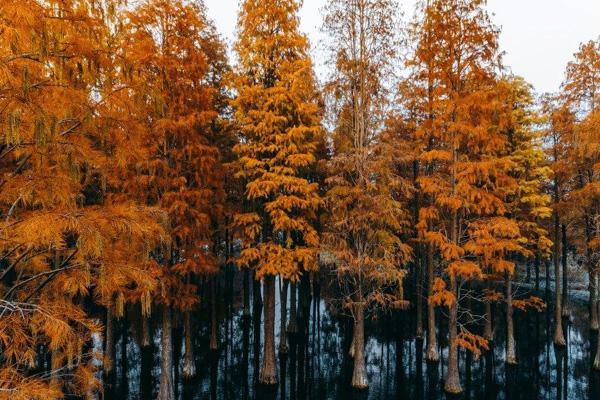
538, 36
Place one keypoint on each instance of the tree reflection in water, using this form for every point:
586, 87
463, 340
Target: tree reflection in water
317, 365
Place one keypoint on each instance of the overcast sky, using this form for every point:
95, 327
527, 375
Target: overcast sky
538, 36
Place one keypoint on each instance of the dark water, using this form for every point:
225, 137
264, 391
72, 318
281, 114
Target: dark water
317, 366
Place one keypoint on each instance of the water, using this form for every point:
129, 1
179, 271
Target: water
317, 365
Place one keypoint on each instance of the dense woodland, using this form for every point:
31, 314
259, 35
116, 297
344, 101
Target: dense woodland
140, 159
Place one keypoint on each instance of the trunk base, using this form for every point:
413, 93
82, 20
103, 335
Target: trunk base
559, 338
360, 380
453, 388
433, 357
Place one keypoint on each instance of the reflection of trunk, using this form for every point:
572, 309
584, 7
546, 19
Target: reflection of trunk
565, 276
246, 293
432, 350
214, 341
511, 357
109, 344
559, 338
189, 367
283, 284
268, 371
293, 324
488, 328
166, 389
452, 384
360, 379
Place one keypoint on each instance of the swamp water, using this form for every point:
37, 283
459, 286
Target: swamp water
317, 365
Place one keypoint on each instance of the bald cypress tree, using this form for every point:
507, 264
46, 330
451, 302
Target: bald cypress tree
277, 113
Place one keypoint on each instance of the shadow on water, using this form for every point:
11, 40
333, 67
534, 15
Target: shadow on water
317, 365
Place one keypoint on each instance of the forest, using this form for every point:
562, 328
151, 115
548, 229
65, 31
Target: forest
182, 220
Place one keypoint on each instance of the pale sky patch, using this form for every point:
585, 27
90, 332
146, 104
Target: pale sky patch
539, 37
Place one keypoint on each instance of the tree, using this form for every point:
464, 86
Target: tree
173, 60
68, 241
528, 205
277, 113
581, 92
456, 63
365, 197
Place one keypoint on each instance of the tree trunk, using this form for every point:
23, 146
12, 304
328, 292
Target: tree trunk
432, 347
283, 285
146, 340
214, 327
268, 370
597, 358
189, 366
293, 323
360, 379
109, 345
593, 300
352, 350
547, 291
559, 337
565, 273
256, 296
419, 308
511, 356
246, 293
488, 328
538, 262
452, 384
166, 389
124, 340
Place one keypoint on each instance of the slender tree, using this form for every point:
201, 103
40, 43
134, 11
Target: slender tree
277, 112
366, 195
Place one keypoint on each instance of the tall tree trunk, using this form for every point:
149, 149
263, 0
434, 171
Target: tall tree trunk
591, 274
146, 339
189, 366
166, 389
352, 350
597, 358
452, 384
214, 326
293, 324
488, 328
559, 337
256, 296
360, 379
538, 262
108, 366
565, 273
283, 285
511, 355
419, 308
124, 360
268, 370
246, 293
432, 346
593, 299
